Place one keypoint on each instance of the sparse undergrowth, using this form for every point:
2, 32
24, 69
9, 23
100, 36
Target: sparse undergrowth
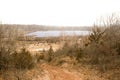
101, 54
18, 60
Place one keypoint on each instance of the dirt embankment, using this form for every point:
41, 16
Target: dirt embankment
45, 71
56, 73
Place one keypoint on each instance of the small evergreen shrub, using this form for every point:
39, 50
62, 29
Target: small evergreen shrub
5, 59
39, 56
48, 56
24, 60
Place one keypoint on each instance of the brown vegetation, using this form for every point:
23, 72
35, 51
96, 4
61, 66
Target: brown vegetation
93, 57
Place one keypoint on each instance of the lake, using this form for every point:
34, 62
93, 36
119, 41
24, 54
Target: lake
58, 33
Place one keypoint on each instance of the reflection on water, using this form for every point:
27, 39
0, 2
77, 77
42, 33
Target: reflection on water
57, 33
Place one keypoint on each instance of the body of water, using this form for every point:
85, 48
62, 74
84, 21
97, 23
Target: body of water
57, 33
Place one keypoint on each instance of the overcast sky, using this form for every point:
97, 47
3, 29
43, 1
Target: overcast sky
56, 12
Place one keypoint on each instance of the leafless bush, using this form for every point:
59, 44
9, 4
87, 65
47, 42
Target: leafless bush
103, 49
7, 45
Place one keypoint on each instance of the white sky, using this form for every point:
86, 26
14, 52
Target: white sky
56, 12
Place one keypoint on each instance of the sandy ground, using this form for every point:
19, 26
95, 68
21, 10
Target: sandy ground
37, 47
45, 71
56, 73
42, 46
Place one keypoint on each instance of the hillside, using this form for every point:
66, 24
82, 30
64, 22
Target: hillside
32, 27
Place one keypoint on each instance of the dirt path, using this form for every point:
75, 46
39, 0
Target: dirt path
55, 73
